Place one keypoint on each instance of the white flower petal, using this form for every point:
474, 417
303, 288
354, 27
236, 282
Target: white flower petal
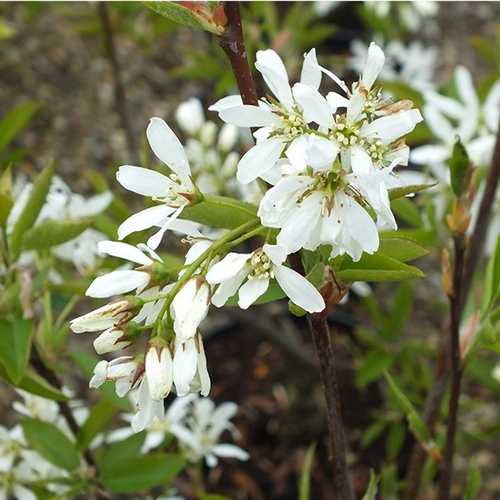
298, 289
251, 291
229, 101
144, 219
229, 287
374, 63
390, 128
230, 451
465, 88
228, 267
261, 158
361, 162
314, 105
123, 251
311, 73
425, 155
273, 70
167, 147
184, 366
248, 116
143, 181
336, 101
276, 253
116, 283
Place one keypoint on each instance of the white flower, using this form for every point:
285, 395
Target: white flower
149, 410
190, 307
112, 339
124, 371
280, 122
107, 316
36, 407
174, 192
190, 367
123, 281
258, 268
412, 64
11, 443
189, 115
475, 124
200, 437
158, 369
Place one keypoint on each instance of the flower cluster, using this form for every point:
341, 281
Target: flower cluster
330, 163
20, 467
62, 204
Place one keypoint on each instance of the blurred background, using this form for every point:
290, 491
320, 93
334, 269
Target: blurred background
87, 77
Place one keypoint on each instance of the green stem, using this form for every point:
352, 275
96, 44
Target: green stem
192, 268
66, 311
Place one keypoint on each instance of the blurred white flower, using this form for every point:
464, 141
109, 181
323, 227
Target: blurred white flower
475, 123
199, 436
412, 64
251, 273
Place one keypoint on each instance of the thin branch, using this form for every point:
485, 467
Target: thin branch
456, 367
470, 261
233, 45
119, 88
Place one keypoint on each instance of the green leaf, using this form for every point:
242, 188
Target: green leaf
403, 249
6, 200
15, 121
371, 491
180, 14
100, 416
33, 383
491, 290
51, 443
51, 233
305, 475
31, 210
473, 485
126, 448
407, 210
460, 169
274, 292
399, 192
377, 267
141, 473
373, 367
417, 425
15, 347
221, 212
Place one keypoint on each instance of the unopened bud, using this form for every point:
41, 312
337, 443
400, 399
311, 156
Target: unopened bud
111, 340
458, 221
158, 366
208, 133
228, 136
190, 116
447, 273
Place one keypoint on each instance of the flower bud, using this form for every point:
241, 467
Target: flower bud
112, 314
189, 116
228, 136
111, 340
190, 307
208, 133
159, 370
230, 164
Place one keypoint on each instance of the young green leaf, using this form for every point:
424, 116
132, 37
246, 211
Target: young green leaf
51, 443
120, 450
399, 192
305, 475
141, 473
460, 169
6, 199
221, 212
417, 425
473, 485
51, 233
193, 14
15, 347
491, 289
100, 416
377, 267
373, 367
15, 121
31, 210
371, 491
403, 249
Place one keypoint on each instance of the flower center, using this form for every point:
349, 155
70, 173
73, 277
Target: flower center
262, 267
293, 123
